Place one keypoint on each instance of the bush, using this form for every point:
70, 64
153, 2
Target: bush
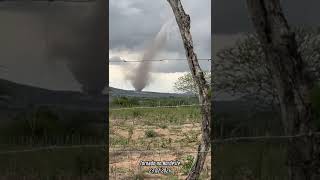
163, 126
187, 164
150, 133
136, 113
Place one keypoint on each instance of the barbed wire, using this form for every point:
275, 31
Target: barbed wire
217, 141
49, 148
264, 138
155, 107
158, 60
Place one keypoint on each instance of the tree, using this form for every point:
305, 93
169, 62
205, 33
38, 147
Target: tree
187, 84
242, 69
183, 21
292, 82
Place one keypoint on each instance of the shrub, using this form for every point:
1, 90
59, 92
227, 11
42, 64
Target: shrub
187, 164
163, 126
150, 133
136, 113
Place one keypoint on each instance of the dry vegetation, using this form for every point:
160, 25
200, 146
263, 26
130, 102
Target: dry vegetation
159, 134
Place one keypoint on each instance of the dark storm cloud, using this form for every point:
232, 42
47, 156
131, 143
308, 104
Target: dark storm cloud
41, 42
133, 24
231, 16
230, 19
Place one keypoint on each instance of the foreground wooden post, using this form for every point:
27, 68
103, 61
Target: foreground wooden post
183, 21
292, 84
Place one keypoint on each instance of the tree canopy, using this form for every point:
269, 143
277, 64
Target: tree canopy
186, 83
241, 69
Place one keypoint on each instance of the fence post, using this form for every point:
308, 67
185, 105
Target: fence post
183, 21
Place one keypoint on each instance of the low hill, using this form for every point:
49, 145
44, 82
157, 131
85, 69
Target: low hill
115, 92
19, 95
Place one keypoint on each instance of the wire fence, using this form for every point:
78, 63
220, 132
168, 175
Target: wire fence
155, 107
158, 60
217, 141
52, 147
264, 138
102, 146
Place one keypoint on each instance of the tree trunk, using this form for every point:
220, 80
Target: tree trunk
291, 81
183, 21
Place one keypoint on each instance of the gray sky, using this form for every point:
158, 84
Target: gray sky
230, 20
134, 23
60, 45
231, 16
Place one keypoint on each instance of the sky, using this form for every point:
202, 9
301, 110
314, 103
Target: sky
58, 45
231, 21
134, 23
54, 45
